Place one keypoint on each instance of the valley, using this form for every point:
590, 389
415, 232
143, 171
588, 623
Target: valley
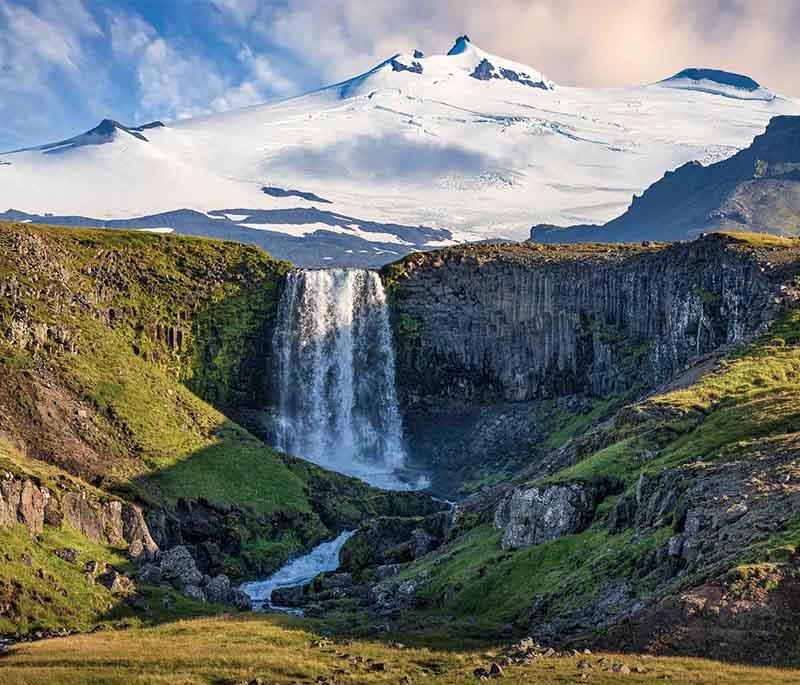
658, 414
446, 372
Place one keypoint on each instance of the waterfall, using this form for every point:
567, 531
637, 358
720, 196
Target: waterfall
337, 404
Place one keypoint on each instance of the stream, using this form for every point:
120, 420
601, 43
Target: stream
299, 571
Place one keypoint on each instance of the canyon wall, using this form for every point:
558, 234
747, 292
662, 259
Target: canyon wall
519, 322
488, 336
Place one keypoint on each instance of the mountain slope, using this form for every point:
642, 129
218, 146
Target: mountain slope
758, 189
113, 347
413, 154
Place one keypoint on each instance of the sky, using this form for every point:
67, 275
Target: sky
67, 64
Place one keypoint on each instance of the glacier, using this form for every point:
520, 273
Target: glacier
416, 153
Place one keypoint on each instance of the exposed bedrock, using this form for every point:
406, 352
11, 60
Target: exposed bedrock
530, 516
25, 502
485, 325
519, 322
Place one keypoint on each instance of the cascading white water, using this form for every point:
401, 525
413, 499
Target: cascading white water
337, 402
300, 571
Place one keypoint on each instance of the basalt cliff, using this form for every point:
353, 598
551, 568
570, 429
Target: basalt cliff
521, 335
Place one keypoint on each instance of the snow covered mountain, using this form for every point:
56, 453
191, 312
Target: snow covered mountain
755, 190
415, 153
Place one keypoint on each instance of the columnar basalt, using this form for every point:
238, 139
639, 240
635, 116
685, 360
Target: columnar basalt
497, 343
518, 322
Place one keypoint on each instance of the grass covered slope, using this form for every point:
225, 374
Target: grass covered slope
280, 649
105, 332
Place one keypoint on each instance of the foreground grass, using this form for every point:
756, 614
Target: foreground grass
280, 649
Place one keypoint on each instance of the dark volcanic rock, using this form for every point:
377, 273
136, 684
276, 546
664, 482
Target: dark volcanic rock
179, 568
116, 582
68, 554
516, 322
391, 539
484, 333
218, 589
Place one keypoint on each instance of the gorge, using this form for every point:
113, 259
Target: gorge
602, 415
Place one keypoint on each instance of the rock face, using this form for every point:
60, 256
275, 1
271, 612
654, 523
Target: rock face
482, 329
523, 321
530, 516
22, 501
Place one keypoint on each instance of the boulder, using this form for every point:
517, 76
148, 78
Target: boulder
288, 596
194, 592
68, 554
390, 595
150, 574
116, 582
179, 569
387, 571
241, 600
93, 567
335, 581
218, 589
530, 516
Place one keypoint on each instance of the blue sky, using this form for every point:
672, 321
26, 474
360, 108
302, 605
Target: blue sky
66, 64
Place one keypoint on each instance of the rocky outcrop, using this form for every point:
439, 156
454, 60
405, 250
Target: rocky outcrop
177, 568
392, 539
396, 595
530, 516
23, 501
709, 590
521, 321
750, 617
715, 510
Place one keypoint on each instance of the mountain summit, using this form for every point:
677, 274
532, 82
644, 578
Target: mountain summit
418, 152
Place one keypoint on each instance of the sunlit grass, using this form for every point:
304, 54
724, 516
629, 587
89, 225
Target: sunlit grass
282, 650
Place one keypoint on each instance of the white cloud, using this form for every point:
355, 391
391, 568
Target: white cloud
242, 10
52, 37
263, 73
44, 51
130, 34
176, 82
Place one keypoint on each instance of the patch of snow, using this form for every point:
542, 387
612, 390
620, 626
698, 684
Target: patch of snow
301, 230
